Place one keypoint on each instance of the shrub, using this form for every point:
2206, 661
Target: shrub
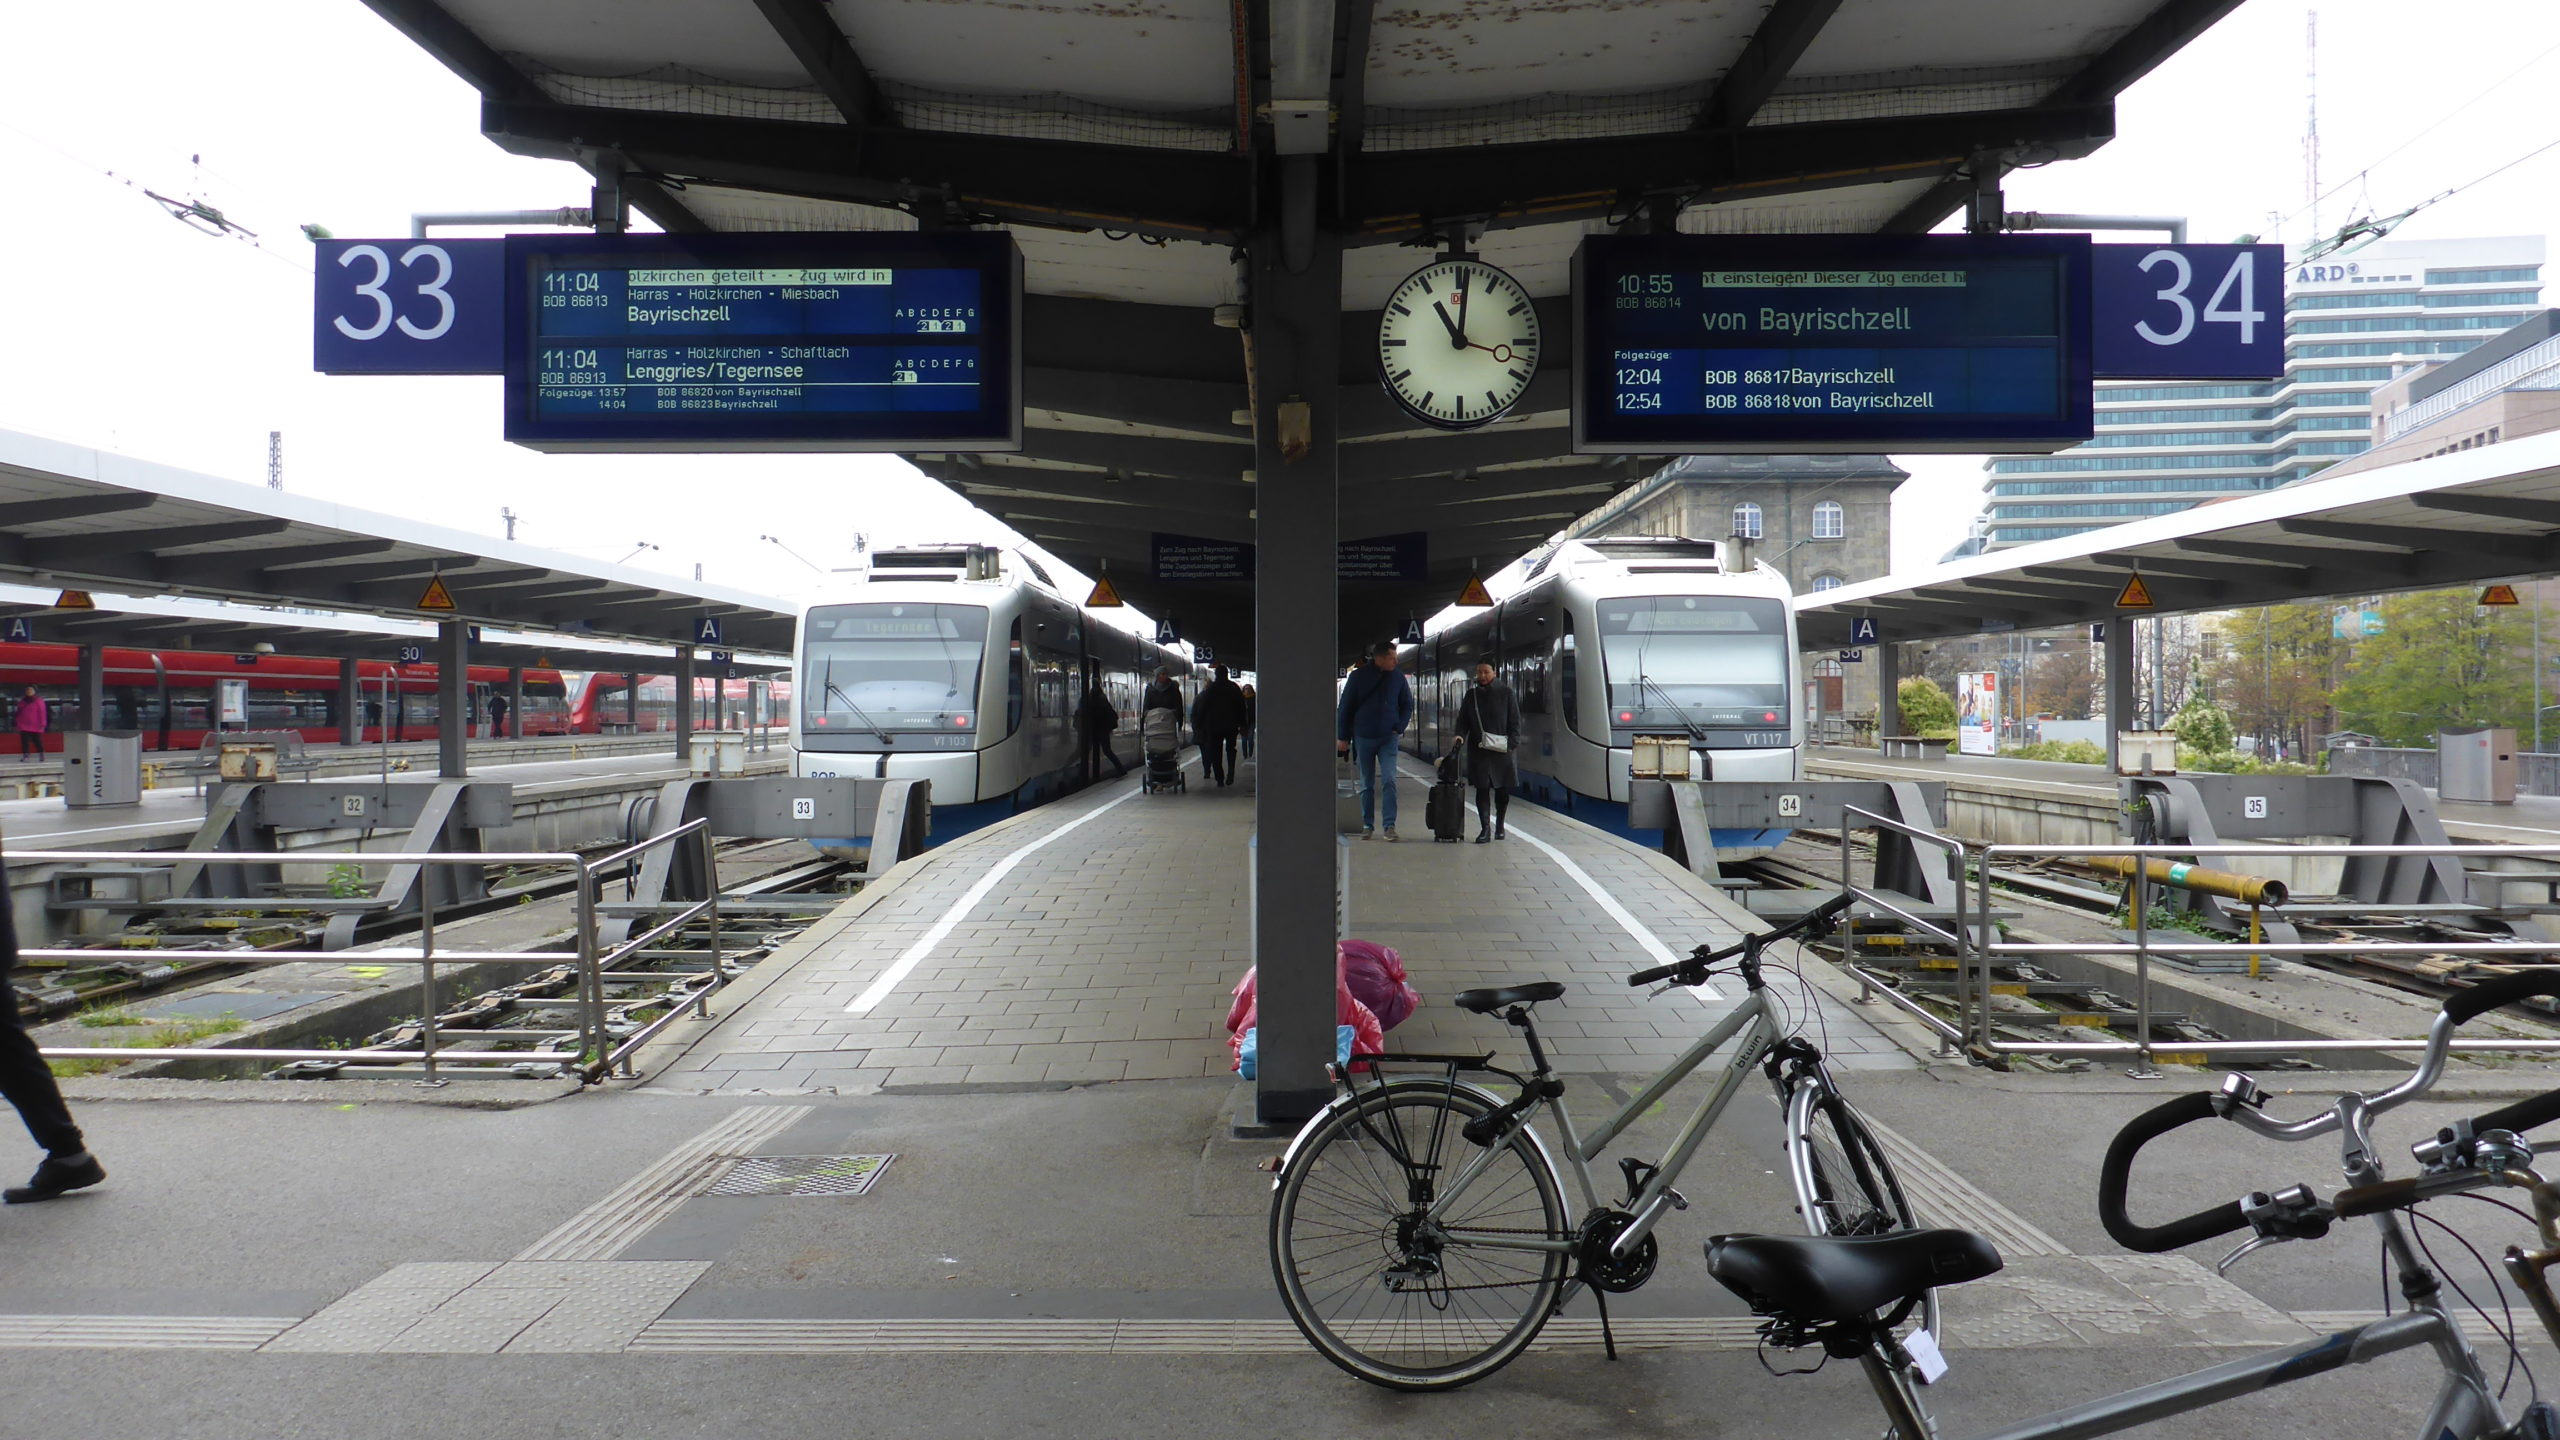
1927, 711
2201, 725
2076, 752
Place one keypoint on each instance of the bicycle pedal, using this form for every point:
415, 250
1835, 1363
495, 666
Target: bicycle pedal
1678, 1200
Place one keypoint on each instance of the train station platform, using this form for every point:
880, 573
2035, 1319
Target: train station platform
1051, 1243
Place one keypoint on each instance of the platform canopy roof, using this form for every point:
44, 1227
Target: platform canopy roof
80, 519
1132, 145
2460, 519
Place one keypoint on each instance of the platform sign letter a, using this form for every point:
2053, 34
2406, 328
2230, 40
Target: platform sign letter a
1413, 632
1862, 630
706, 630
20, 631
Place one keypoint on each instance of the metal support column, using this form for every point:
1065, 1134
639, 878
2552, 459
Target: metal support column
453, 699
2120, 708
1888, 700
684, 702
350, 706
515, 703
93, 688
1296, 340
631, 701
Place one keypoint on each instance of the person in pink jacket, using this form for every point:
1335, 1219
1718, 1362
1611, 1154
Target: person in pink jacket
31, 722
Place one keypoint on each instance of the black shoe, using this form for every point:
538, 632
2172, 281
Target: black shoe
1484, 837
56, 1177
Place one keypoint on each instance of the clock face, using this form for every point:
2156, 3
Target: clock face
1457, 343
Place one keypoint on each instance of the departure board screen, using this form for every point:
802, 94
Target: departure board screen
1694, 343
763, 342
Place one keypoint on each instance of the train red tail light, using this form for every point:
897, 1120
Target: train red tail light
1770, 717
1626, 717
960, 722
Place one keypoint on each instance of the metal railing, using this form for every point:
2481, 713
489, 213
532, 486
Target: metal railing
1979, 946
597, 1053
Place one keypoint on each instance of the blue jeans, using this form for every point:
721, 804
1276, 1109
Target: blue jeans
1369, 757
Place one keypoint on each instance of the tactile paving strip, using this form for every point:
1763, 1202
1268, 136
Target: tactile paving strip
798, 1175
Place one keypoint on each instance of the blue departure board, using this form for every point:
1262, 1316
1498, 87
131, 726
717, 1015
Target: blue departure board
1840, 343
764, 342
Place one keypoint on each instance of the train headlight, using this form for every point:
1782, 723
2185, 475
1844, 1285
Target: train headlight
959, 722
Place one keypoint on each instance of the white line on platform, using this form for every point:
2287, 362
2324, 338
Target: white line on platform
906, 962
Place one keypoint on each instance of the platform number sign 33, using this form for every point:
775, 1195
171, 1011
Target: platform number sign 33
803, 808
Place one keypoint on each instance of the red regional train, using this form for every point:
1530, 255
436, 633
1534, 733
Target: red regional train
604, 704
173, 697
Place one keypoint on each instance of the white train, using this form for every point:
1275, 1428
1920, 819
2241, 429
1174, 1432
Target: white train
1618, 637
963, 665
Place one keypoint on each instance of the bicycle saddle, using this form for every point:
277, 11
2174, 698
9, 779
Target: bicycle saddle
1485, 1002
1837, 1278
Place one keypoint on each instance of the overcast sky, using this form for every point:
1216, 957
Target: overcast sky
128, 331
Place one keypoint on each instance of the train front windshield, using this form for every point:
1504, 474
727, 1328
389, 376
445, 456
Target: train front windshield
874, 671
1695, 662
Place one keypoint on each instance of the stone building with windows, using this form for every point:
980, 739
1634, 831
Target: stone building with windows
1821, 520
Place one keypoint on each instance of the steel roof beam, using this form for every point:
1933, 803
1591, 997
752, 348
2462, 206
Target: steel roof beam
2404, 538
422, 565
1162, 401
1445, 454
141, 543
2157, 36
820, 46
2205, 569
72, 507
1215, 460
2311, 558
2501, 507
457, 48
1785, 33
2090, 591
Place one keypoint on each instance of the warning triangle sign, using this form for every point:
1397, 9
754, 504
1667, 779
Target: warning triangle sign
1105, 595
2135, 595
1475, 595
79, 600
2499, 595
437, 597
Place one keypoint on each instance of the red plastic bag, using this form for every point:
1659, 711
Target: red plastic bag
1369, 1036
1376, 975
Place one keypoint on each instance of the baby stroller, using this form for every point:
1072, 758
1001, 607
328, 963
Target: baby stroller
1160, 736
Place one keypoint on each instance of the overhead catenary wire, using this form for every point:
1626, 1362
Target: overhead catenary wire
193, 212
2364, 171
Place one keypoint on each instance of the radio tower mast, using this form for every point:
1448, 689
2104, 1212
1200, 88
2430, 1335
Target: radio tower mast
275, 459
2311, 125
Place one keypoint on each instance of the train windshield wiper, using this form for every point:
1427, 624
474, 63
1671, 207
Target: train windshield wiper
1697, 731
828, 687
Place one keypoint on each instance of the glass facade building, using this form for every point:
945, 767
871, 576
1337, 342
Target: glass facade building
2352, 322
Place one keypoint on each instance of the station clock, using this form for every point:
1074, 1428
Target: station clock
1458, 343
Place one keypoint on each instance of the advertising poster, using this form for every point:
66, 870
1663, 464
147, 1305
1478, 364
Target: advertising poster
1978, 713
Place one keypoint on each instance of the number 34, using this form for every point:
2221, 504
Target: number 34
385, 315
2242, 276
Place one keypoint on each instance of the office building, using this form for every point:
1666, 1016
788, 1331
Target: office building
2353, 323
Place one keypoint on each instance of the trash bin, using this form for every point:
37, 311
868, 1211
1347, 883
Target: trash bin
101, 767
2477, 764
719, 752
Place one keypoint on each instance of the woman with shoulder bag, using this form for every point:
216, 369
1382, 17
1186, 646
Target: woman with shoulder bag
1489, 721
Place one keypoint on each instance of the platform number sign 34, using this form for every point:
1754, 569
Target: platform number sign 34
2188, 311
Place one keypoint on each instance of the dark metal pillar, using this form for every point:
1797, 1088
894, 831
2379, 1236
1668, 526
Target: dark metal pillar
631, 701
350, 701
1888, 683
453, 699
515, 703
684, 703
1296, 339
2120, 700
93, 688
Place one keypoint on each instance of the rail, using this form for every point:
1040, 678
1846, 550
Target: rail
1979, 945
598, 1053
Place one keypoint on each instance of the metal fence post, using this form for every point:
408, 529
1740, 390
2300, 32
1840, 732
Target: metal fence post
1981, 943
427, 970
590, 979
711, 888
2142, 963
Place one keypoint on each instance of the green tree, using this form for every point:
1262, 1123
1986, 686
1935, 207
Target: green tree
1926, 709
2202, 726
2440, 660
2273, 673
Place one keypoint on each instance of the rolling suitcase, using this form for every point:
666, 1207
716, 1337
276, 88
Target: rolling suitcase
1444, 808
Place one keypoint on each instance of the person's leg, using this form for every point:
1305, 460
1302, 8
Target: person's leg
1501, 809
1387, 785
30, 744
1484, 814
26, 1081
1364, 763
1227, 756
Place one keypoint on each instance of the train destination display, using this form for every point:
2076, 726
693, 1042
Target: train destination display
1831, 343
763, 342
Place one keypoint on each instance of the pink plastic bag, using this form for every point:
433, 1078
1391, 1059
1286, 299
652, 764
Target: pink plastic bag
1368, 1036
1376, 975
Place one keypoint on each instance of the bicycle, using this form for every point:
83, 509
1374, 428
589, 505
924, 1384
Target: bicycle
1826, 1291
1419, 1233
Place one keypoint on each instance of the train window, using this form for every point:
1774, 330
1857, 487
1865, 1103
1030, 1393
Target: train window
1568, 688
878, 669
1691, 661
1016, 663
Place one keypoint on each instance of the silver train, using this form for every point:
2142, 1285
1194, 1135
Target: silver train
1614, 638
962, 665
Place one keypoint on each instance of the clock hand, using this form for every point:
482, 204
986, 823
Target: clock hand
1457, 337
1463, 293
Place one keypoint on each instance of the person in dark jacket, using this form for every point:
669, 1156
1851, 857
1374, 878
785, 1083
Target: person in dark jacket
1216, 717
1376, 705
1247, 692
1096, 721
27, 1082
1489, 722
1163, 694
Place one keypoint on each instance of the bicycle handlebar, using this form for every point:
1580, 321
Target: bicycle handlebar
2521, 1116
2505, 990
2117, 1173
1693, 971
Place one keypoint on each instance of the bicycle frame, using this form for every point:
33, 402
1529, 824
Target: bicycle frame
1755, 1023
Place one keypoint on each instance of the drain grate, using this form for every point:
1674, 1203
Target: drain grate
802, 1175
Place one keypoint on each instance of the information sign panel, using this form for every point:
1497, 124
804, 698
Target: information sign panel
1978, 713
408, 307
1831, 343
2187, 312
858, 342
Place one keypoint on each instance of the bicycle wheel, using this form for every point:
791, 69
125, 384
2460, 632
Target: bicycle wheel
1855, 1191
1392, 1289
